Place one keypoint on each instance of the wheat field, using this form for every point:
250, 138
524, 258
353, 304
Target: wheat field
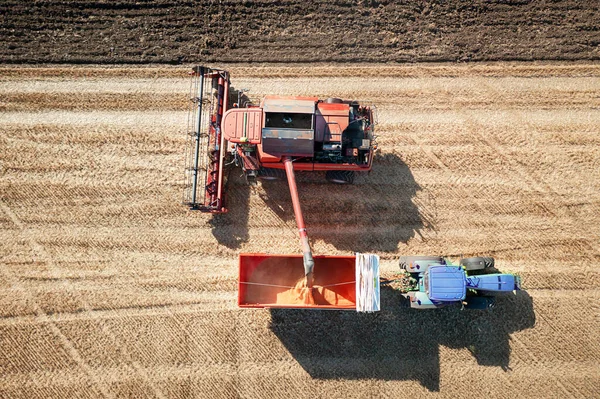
110, 287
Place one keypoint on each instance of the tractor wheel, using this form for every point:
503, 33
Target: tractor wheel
340, 176
407, 261
271, 174
477, 263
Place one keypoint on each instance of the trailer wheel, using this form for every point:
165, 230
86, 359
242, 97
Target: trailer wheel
340, 176
406, 262
271, 174
477, 263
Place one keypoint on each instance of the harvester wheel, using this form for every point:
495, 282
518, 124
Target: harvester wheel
477, 263
407, 261
334, 100
340, 176
271, 174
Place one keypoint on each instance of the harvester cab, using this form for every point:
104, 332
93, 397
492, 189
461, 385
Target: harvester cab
273, 140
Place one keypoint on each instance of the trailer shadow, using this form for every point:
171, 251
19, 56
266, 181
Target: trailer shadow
374, 214
399, 343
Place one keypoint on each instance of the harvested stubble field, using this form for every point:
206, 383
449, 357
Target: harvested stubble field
110, 287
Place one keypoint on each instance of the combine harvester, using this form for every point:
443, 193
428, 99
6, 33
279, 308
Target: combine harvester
272, 141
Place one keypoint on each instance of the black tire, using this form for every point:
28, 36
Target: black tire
406, 261
271, 174
334, 100
340, 176
477, 263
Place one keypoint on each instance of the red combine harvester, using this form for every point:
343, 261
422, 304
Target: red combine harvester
271, 141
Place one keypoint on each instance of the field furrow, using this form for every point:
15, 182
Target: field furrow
110, 287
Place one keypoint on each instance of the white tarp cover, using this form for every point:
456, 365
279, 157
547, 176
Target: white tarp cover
367, 283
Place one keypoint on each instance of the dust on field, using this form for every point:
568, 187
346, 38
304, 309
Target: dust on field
111, 288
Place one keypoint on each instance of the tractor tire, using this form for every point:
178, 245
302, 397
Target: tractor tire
270, 174
340, 176
406, 261
477, 263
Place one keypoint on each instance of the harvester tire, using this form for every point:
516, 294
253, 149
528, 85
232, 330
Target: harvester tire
340, 176
477, 263
271, 174
406, 261
334, 100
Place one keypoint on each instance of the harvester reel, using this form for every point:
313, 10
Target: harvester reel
477, 263
340, 176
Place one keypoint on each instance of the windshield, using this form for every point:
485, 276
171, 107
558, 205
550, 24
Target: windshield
288, 120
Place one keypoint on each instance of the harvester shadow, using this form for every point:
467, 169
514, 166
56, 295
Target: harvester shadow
372, 215
231, 228
399, 343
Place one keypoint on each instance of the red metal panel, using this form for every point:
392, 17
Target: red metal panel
331, 108
275, 281
331, 120
236, 131
265, 157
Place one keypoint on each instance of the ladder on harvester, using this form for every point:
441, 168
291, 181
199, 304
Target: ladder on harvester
205, 152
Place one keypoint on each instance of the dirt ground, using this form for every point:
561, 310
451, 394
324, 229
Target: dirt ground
167, 31
109, 287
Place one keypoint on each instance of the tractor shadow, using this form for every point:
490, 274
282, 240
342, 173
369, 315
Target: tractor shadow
374, 214
399, 343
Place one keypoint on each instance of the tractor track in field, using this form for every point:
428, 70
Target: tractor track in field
113, 288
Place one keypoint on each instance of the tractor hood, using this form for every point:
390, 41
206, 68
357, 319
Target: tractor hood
445, 283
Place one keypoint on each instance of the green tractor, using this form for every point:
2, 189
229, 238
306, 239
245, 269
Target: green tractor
433, 282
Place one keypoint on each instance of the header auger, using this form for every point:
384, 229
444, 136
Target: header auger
205, 151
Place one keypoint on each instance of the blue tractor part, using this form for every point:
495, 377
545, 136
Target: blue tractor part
438, 282
494, 282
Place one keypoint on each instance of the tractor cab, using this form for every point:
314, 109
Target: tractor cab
445, 283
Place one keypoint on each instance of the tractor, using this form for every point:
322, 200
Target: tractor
435, 282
